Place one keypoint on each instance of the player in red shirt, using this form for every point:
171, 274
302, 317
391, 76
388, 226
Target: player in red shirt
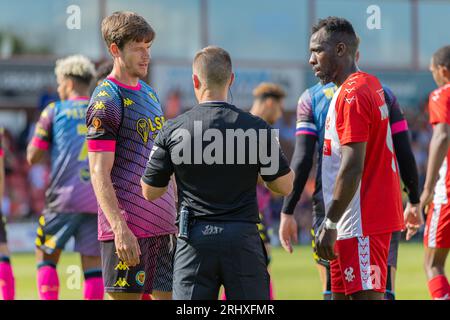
436, 190
361, 184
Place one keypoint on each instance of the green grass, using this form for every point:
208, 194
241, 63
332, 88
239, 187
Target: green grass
294, 276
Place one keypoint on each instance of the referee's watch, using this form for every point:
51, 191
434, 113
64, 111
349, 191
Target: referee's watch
330, 225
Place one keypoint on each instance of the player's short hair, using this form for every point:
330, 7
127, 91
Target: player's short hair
442, 57
76, 67
124, 26
267, 90
214, 66
104, 70
340, 30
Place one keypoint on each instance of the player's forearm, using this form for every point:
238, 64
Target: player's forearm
301, 164
107, 199
437, 153
407, 165
347, 183
34, 154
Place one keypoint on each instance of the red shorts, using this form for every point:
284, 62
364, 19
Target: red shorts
437, 229
361, 264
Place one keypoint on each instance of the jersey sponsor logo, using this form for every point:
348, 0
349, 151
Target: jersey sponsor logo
121, 282
127, 102
76, 113
102, 93
146, 126
140, 278
327, 147
349, 276
99, 105
122, 266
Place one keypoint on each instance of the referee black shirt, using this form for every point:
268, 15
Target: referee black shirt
216, 173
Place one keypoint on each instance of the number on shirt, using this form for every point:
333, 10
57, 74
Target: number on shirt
390, 146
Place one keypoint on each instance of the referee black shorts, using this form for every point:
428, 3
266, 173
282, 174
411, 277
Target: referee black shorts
221, 253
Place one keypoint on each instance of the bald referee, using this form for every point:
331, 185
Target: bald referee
217, 152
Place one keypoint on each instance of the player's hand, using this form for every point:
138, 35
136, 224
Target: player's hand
127, 245
288, 231
325, 243
413, 219
425, 199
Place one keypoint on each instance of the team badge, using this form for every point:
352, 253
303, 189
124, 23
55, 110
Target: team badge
97, 123
349, 276
140, 278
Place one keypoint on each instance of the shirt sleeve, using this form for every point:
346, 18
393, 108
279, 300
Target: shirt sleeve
353, 116
397, 119
159, 167
439, 107
42, 137
305, 118
103, 118
272, 161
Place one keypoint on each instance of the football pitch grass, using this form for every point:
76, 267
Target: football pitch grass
294, 276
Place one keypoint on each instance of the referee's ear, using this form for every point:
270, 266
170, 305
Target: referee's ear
231, 79
195, 81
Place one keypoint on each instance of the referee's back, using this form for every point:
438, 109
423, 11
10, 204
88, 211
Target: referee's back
217, 153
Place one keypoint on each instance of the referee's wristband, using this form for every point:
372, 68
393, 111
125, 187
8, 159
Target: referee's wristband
330, 225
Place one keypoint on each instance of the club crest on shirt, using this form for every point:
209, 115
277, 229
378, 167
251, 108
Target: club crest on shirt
140, 278
349, 276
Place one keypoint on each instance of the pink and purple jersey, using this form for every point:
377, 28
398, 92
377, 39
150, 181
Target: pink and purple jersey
61, 129
125, 120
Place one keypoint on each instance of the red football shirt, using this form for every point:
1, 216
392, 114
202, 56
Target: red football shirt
439, 109
358, 113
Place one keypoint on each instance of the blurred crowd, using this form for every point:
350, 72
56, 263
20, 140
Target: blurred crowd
25, 186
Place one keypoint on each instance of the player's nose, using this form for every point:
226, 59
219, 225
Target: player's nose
312, 59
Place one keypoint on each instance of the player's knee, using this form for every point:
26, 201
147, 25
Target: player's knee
123, 296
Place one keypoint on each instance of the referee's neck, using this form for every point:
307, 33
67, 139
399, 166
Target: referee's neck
212, 96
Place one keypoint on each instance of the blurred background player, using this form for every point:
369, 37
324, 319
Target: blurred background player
436, 190
123, 120
71, 207
268, 105
7, 285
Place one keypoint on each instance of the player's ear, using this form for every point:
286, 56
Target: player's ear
114, 49
195, 81
445, 72
341, 48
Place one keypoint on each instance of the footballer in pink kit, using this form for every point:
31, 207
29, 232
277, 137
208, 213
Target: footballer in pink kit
123, 119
